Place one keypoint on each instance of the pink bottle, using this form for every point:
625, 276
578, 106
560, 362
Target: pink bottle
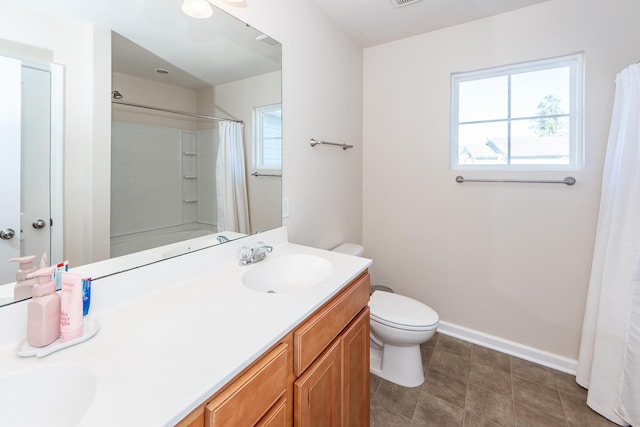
24, 287
43, 311
71, 309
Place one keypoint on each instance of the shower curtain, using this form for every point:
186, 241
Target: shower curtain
609, 361
231, 186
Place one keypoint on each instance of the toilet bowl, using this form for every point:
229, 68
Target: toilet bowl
399, 325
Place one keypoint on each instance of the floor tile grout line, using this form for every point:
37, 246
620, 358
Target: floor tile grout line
426, 372
562, 404
513, 393
466, 394
393, 410
564, 415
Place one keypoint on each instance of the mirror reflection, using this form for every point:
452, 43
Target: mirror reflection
188, 133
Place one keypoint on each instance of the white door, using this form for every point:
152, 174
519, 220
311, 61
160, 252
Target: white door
35, 238
10, 112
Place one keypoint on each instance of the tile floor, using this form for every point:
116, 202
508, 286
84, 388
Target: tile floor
471, 386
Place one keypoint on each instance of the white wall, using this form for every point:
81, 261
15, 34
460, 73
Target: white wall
322, 98
509, 260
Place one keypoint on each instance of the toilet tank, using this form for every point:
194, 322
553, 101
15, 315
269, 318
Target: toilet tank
349, 249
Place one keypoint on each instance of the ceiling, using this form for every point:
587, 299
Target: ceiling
372, 22
156, 34
176, 42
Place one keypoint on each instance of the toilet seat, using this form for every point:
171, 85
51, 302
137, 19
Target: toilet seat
398, 311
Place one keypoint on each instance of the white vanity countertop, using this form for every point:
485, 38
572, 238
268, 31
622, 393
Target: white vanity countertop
159, 356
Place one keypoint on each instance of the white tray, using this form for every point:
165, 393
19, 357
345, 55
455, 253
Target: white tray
90, 328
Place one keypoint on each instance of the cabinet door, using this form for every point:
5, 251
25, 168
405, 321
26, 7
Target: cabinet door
317, 394
355, 372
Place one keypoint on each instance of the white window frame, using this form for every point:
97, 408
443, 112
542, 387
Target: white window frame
576, 113
257, 139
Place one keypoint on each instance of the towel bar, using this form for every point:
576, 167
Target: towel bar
568, 180
263, 174
315, 142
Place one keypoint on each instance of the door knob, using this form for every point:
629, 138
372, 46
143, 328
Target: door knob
38, 224
7, 234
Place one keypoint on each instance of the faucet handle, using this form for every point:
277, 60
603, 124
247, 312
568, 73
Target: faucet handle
246, 253
264, 246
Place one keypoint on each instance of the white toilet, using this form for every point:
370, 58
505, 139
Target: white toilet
399, 325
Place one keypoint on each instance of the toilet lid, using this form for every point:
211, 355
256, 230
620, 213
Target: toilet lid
394, 309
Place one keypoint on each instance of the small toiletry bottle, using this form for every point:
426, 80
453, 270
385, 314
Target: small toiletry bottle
71, 308
24, 287
43, 311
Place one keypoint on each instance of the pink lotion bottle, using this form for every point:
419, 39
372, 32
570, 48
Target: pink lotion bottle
24, 287
71, 308
43, 311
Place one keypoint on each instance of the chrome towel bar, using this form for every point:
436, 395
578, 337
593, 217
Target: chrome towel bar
263, 174
315, 142
568, 180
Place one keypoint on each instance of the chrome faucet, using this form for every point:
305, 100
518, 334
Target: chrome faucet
252, 255
222, 239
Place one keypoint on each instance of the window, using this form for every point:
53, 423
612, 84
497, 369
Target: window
517, 117
268, 138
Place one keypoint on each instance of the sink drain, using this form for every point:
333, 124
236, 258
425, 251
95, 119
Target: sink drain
271, 291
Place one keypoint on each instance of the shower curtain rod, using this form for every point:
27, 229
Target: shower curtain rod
166, 110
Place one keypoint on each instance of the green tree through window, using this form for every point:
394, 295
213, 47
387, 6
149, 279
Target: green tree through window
549, 124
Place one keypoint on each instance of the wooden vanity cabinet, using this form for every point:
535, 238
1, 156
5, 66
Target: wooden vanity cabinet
318, 375
333, 387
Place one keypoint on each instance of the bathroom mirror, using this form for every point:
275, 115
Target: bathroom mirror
217, 67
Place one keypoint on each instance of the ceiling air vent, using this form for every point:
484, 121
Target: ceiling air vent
401, 3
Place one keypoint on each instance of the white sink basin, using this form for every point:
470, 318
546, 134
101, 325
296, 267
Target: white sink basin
48, 396
286, 273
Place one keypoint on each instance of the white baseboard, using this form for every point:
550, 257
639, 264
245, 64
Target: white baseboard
512, 348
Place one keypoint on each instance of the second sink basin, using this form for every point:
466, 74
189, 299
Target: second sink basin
47, 396
286, 273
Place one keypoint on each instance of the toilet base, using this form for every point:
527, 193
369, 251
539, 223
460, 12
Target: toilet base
400, 365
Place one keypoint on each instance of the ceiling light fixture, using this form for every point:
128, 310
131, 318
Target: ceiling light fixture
197, 8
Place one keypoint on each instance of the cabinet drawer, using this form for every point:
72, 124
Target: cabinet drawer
277, 416
310, 339
250, 396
